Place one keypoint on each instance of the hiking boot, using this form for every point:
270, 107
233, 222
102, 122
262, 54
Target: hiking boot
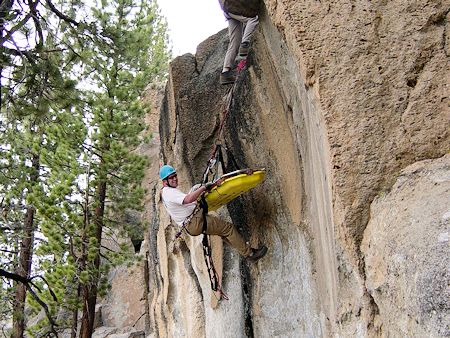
256, 254
243, 49
227, 77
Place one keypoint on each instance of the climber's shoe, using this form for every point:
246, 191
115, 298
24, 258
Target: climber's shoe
227, 77
243, 48
257, 254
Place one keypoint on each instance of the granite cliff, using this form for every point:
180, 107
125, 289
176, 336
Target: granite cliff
346, 106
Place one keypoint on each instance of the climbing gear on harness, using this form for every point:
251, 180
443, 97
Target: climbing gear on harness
241, 65
187, 221
257, 253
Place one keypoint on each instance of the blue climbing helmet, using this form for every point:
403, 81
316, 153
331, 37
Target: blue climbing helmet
165, 171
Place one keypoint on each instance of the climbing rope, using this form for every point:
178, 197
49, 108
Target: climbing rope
207, 252
213, 162
216, 149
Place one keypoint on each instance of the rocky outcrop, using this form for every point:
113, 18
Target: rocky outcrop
406, 246
346, 106
337, 100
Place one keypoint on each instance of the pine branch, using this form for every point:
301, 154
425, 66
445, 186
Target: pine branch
71, 249
19, 25
37, 23
110, 173
15, 52
47, 311
90, 148
61, 15
8, 251
105, 258
108, 249
13, 276
27, 282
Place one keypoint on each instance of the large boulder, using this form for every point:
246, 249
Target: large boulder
406, 251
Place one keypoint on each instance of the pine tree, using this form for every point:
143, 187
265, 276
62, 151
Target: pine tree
67, 153
27, 178
34, 90
130, 54
20, 178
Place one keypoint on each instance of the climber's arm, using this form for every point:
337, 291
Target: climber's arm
193, 196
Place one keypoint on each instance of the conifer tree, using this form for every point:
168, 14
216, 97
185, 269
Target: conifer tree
19, 179
35, 88
68, 172
130, 54
25, 176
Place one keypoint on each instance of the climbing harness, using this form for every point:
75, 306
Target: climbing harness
187, 221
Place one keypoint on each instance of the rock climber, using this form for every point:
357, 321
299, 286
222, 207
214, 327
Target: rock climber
180, 206
242, 16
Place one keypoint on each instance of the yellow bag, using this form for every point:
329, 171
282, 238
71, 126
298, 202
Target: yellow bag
235, 184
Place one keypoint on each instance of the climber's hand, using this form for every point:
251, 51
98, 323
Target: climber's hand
209, 186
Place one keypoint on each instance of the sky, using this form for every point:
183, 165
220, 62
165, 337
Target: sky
191, 22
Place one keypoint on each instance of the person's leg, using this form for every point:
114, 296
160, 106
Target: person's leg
220, 228
195, 226
250, 26
228, 232
235, 35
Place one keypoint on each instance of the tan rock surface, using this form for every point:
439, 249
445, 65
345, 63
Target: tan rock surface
406, 250
125, 304
338, 99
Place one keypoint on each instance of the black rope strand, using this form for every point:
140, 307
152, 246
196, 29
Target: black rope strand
207, 251
214, 160
225, 111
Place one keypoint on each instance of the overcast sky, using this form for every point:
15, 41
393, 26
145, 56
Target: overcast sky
191, 22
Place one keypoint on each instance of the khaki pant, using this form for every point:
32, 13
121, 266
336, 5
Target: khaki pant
237, 34
220, 228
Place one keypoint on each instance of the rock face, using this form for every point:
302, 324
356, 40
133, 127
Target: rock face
125, 304
406, 246
338, 100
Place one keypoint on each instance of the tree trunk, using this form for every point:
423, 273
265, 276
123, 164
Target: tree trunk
89, 290
25, 259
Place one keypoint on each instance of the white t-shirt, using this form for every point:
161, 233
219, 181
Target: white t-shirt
173, 201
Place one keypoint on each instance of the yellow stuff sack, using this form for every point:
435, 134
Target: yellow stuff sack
235, 184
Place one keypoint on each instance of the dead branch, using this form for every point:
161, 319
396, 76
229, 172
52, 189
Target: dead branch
61, 15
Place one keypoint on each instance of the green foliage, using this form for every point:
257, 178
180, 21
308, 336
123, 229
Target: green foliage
73, 103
